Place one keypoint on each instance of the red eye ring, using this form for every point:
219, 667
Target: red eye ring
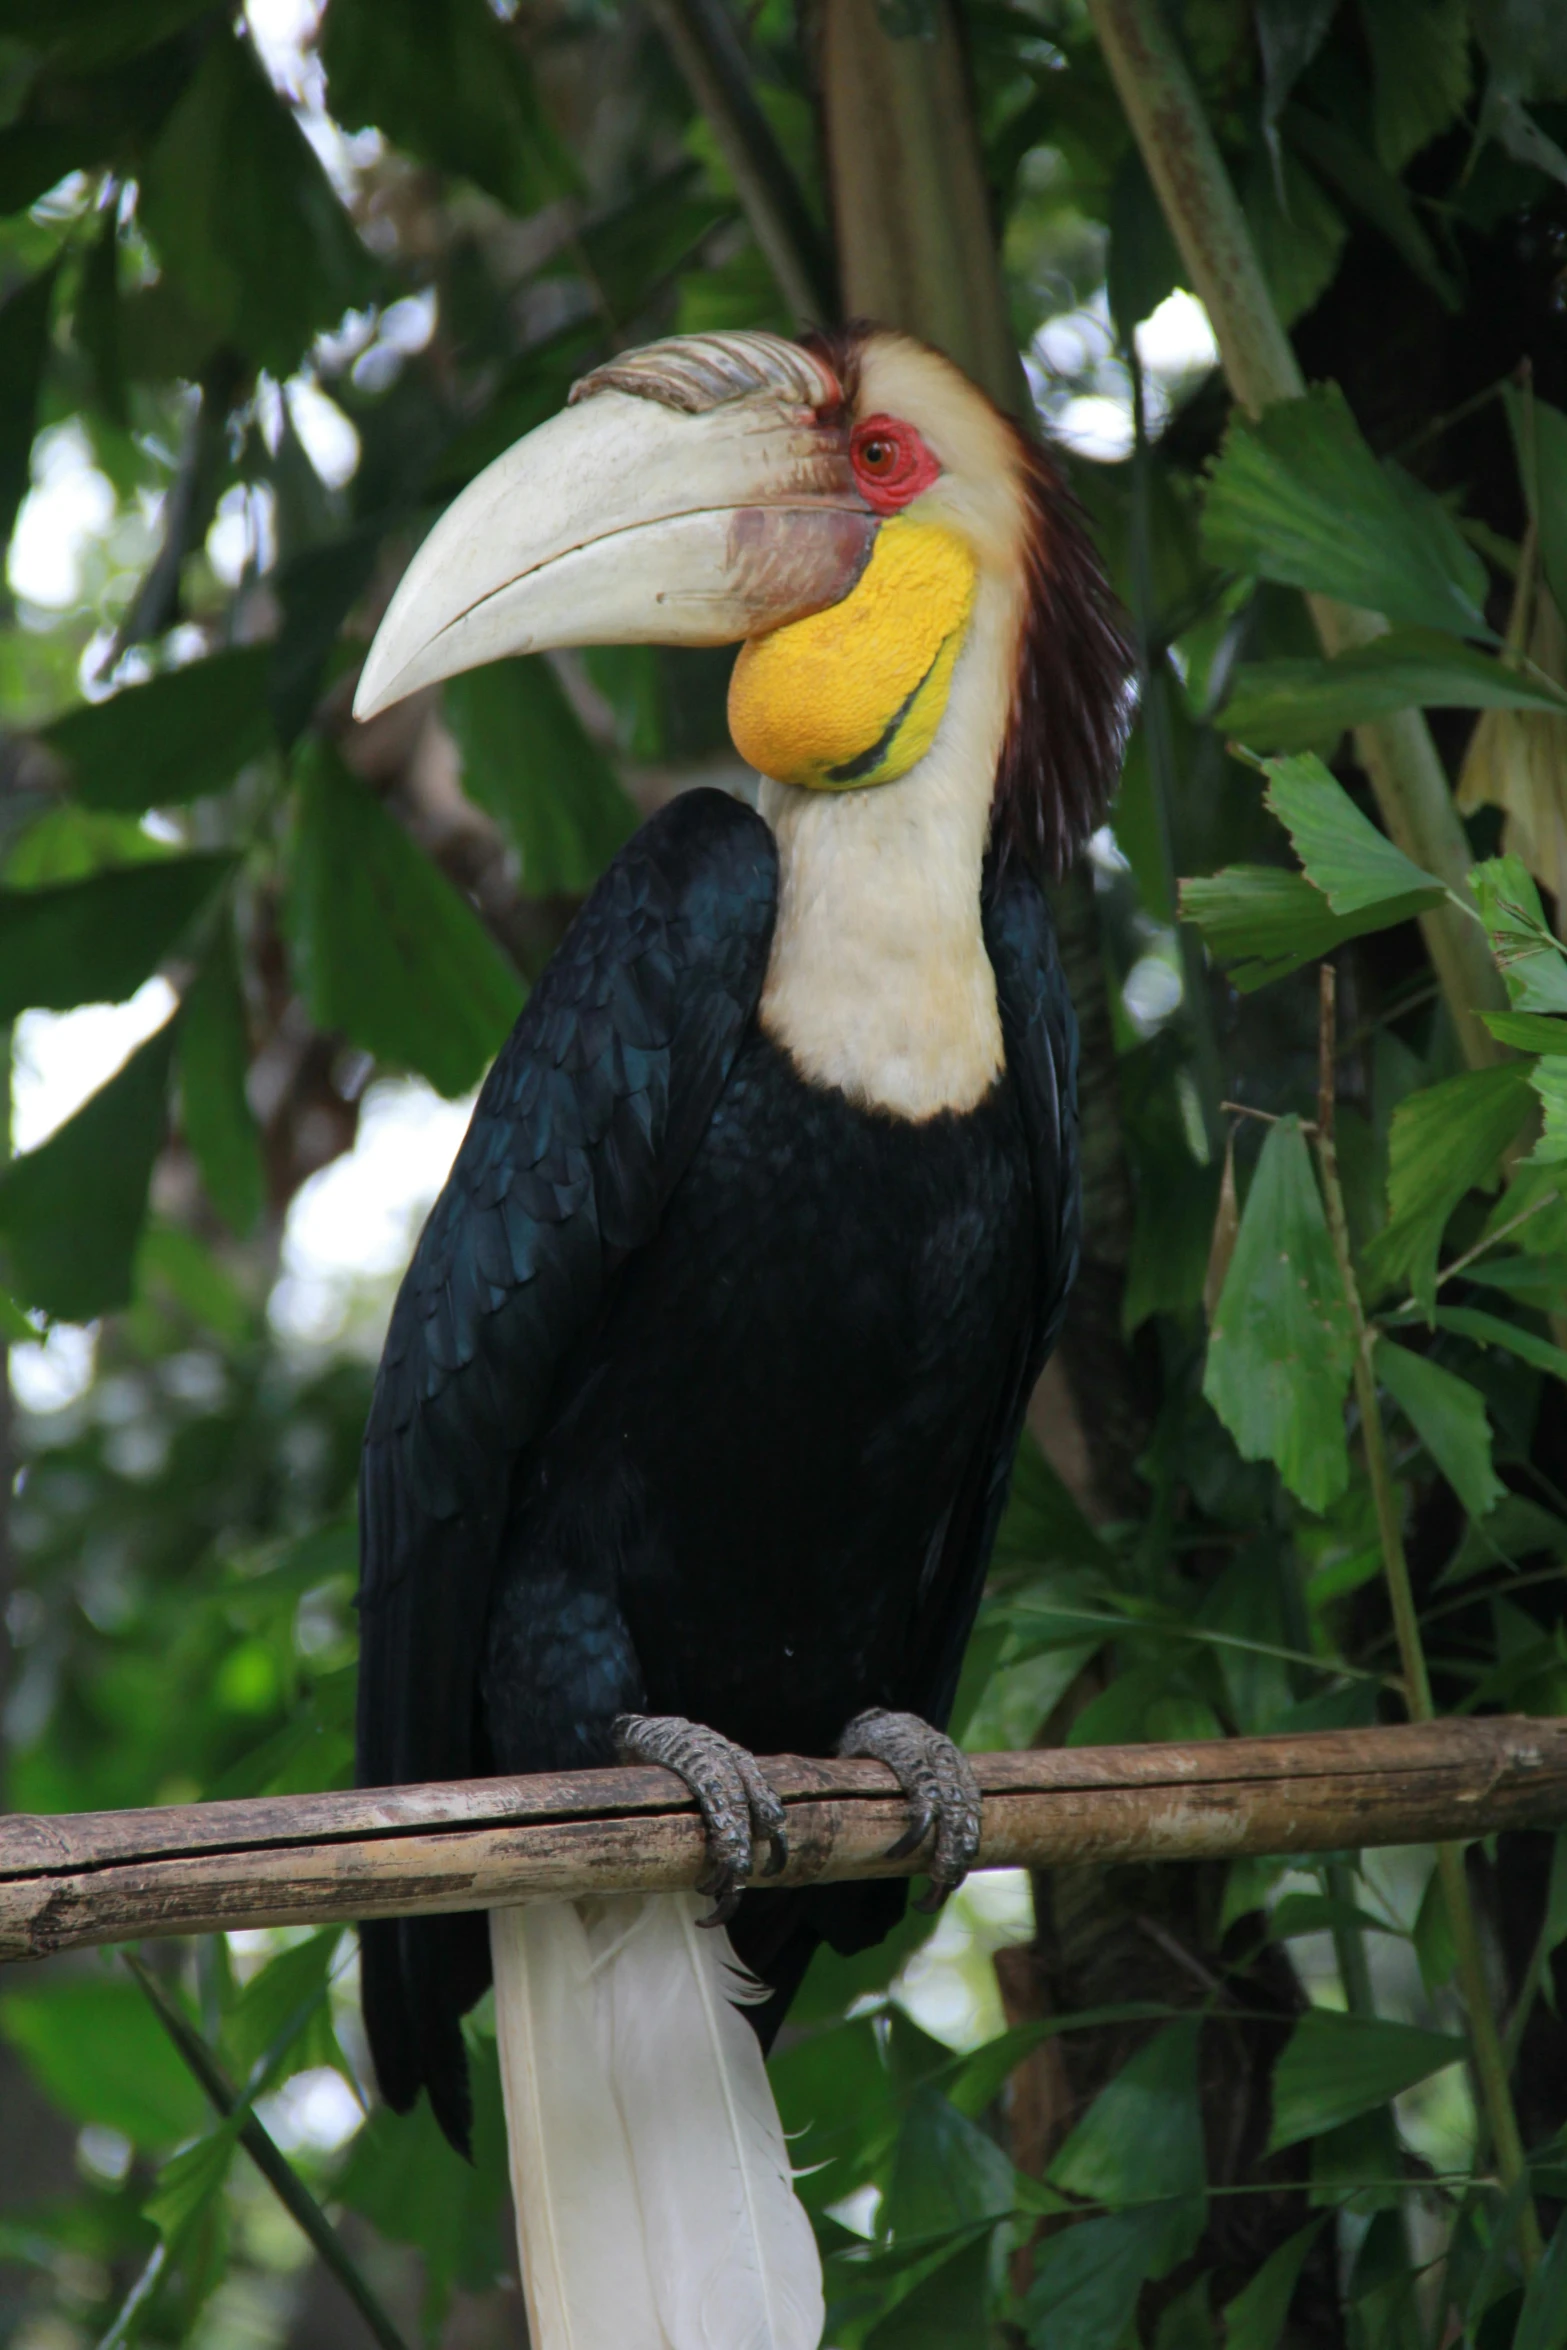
891, 463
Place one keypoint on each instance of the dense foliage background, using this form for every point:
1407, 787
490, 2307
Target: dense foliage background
273, 285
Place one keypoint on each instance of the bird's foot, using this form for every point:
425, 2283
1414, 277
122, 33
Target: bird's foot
738, 1807
939, 1782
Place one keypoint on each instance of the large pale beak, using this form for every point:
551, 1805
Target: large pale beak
627, 521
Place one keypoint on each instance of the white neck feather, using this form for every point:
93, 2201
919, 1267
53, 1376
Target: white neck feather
878, 983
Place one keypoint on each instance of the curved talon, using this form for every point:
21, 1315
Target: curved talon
922, 1818
739, 1809
941, 1788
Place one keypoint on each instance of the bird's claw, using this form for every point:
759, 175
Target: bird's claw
739, 1809
941, 1788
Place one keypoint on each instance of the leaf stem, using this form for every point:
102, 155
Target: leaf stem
1485, 2044
1544, 1199
279, 2173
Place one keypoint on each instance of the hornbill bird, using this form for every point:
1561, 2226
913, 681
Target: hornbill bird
701, 1393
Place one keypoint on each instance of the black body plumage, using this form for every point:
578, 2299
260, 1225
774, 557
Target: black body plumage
702, 1390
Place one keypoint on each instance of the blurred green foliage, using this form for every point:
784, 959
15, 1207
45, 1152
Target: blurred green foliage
273, 286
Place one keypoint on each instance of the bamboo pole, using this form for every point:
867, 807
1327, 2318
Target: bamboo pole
69, 1881
1397, 752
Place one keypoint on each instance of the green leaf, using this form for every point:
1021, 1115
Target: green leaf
1514, 1529
72, 1210
1553, 1931
1346, 2161
95, 941
1265, 923
1337, 2067
317, 589
1141, 2139
1528, 1032
1420, 72
1545, 482
527, 758
174, 1267
1256, 2317
832, 1984
1289, 34
1186, 2323
1445, 1140
1144, 266
1298, 497
946, 2173
214, 1108
446, 81
82, 34
1298, 705
1526, 949
1549, 1080
637, 245
243, 216
1042, 1524
949, 2309
1543, 2322
1435, 1947
385, 948
1534, 1281
35, 156
402, 2176
67, 842
1448, 1416
1491, 1330
1375, 192
1318, 1913
190, 2183
290, 1993
1088, 2278
1282, 1344
95, 322
1341, 851
978, 2078
173, 739
1297, 229
99, 2053
24, 352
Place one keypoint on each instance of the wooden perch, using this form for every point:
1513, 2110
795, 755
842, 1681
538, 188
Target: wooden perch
292, 1860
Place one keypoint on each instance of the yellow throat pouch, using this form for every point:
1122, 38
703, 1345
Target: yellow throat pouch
854, 695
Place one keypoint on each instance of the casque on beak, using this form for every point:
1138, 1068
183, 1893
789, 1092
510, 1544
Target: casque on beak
694, 493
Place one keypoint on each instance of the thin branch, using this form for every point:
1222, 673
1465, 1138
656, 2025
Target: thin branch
87, 1878
278, 2172
703, 41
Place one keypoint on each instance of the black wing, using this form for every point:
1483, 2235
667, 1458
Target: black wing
585, 1124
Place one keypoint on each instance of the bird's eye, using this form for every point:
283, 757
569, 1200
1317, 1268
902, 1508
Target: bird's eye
891, 463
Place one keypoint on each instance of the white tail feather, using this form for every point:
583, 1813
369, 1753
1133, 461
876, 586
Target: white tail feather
579, 2223
644, 2137
730, 2250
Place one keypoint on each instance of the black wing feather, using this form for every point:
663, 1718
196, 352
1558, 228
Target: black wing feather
585, 1124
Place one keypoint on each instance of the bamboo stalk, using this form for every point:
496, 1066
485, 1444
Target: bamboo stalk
69, 1881
1199, 202
1485, 2043
916, 248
